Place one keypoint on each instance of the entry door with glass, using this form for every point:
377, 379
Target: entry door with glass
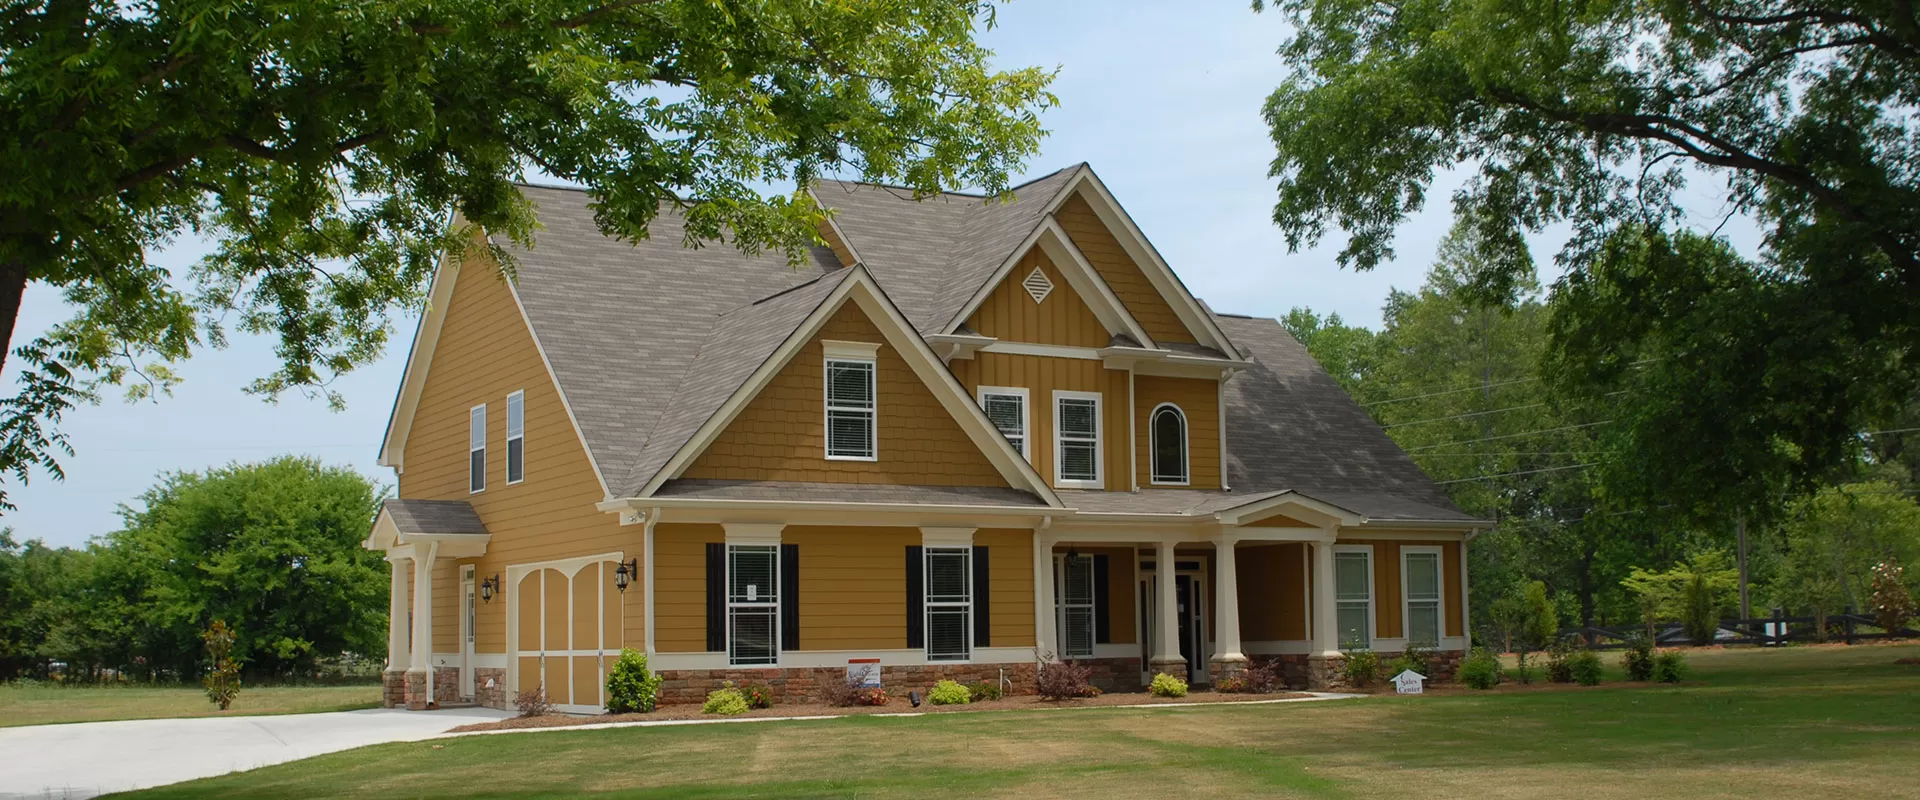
466, 632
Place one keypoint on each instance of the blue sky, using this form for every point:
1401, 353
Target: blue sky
1163, 99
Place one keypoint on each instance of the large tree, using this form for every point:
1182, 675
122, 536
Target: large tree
319, 147
1593, 116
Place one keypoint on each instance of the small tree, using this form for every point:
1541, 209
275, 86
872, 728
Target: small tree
1892, 603
1538, 623
1701, 620
1508, 614
223, 680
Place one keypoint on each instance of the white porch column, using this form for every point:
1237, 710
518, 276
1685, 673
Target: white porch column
1226, 603
399, 653
1044, 636
1166, 646
1326, 620
422, 661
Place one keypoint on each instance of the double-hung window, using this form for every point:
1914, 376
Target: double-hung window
1076, 436
1074, 598
753, 604
477, 449
949, 603
1421, 585
1006, 408
1353, 596
851, 424
1167, 432
516, 437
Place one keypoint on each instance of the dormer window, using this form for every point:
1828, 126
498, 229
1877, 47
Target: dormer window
1167, 431
852, 424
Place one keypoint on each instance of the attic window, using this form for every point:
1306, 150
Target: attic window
1038, 285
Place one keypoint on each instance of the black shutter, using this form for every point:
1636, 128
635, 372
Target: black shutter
716, 597
982, 599
1102, 615
916, 598
789, 597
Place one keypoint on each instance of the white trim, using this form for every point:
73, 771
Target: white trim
827, 216
860, 286
1039, 289
850, 351
1277, 647
928, 606
779, 595
1046, 350
558, 390
1403, 536
753, 533
1026, 413
521, 396
946, 537
1220, 409
1373, 592
827, 406
1099, 445
426, 337
477, 413
813, 659
1258, 507
1133, 440
480, 660
1000, 273
1440, 586
1086, 281
1153, 446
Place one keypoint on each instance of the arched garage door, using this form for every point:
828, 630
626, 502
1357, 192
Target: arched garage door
566, 630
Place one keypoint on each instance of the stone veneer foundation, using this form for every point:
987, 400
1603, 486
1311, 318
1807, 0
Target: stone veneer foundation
490, 688
809, 684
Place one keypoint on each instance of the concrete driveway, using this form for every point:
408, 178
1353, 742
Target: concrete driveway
84, 759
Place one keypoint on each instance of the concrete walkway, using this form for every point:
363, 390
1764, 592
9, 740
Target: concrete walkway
85, 759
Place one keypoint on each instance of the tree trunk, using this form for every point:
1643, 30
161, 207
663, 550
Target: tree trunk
13, 288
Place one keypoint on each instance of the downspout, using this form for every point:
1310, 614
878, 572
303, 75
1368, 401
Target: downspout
653, 518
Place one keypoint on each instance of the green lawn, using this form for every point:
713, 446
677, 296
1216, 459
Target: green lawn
1801, 723
42, 704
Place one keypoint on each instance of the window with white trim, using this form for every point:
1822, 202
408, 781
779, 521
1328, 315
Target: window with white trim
516, 437
949, 603
753, 604
1353, 597
850, 409
1006, 408
1076, 439
477, 449
1073, 596
1167, 442
1420, 576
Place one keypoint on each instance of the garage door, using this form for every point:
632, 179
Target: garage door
567, 631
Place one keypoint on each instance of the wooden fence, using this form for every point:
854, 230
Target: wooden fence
1848, 627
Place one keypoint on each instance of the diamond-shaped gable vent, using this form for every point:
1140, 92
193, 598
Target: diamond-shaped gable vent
1037, 285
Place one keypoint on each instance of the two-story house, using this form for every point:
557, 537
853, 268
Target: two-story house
968, 435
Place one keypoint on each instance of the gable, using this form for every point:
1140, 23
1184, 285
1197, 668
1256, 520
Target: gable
1062, 317
780, 435
1120, 272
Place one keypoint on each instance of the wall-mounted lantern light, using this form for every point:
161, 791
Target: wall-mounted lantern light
625, 574
489, 588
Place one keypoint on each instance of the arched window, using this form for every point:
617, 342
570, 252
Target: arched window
1168, 429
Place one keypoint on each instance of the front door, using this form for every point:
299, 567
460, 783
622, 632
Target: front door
466, 633
1187, 588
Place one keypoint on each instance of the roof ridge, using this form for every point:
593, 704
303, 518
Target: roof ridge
976, 195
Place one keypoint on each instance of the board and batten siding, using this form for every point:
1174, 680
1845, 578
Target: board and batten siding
1009, 313
1117, 268
1386, 584
1273, 591
1199, 400
484, 353
1041, 376
781, 434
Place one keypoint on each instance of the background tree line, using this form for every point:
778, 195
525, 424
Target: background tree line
1462, 384
271, 548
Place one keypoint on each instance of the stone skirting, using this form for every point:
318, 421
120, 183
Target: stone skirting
393, 689
809, 684
416, 691
1113, 674
490, 688
446, 685
1176, 667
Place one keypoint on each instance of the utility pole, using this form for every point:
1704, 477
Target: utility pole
1740, 534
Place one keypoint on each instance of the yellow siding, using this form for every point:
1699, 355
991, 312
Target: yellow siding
1041, 376
835, 243
1273, 592
853, 586
484, 353
680, 589
781, 434
1276, 521
1011, 573
1063, 318
1386, 585
1199, 399
1129, 284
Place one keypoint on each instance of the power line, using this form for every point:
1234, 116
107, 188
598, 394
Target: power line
1481, 387
1512, 453
1896, 430
1465, 416
1523, 472
1507, 436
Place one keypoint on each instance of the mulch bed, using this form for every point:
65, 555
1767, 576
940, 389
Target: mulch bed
898, 705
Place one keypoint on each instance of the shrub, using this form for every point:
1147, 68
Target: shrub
1892, 603
851, 691
1558, 668
1065, 680
726, 701
1669, 666
1418, 659
1480, 669
1361, 668
1232, 684
1263, 677
1702, 620
1165, 685
1584, 668
757, 696
870, 696
1638, 659
631, 687
984, 690
533, 702
223, 681
949, 693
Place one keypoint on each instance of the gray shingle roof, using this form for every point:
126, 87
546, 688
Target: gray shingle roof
434, 516
848, 493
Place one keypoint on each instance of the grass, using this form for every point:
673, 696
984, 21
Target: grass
1800, 722
44, 704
